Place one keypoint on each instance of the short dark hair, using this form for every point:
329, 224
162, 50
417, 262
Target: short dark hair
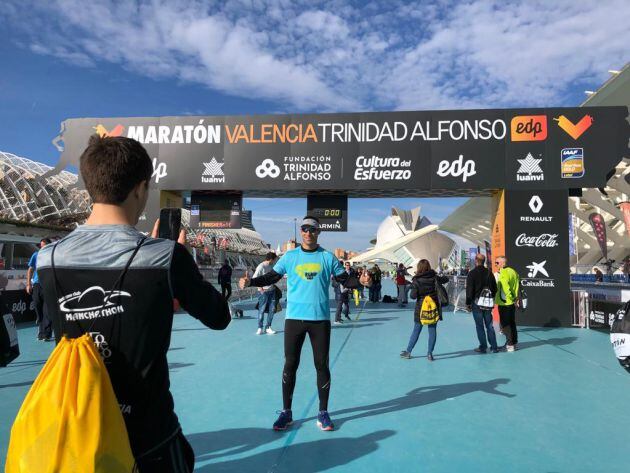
271, 255
112, 166
45, 241
310, 216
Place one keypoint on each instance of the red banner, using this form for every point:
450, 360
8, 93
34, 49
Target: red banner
599, 228
625, 208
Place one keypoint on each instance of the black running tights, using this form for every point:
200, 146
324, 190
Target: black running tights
294, 334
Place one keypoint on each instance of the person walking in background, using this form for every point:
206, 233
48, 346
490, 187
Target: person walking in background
344, 296
478, 279
423, 285
375, 289
401, 284
225, 280
44, 322
599, 276
266, 296
506, 298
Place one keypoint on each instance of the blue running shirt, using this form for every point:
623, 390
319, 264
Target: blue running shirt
308, 280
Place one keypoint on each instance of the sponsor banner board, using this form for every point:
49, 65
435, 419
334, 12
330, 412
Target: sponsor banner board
467, 149
537, 237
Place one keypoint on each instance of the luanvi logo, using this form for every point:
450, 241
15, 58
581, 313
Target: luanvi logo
457, 168
574, 130
529, 128
92, 303
530, 169
213, 172
103, 132
544, 240
267, 169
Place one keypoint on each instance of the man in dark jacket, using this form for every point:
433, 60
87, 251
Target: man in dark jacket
225, 280
108, 279
477, 280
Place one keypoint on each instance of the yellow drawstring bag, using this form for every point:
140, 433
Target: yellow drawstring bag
70, 420
429, 313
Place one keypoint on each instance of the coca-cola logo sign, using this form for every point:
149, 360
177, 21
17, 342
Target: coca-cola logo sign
544, 240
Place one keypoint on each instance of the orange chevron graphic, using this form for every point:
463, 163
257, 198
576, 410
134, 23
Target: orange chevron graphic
103, 132
574, 131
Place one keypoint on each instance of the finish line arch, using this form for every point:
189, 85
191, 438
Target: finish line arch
529, 160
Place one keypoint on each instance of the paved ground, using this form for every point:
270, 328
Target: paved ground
557, 405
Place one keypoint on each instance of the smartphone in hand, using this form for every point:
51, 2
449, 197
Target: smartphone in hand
170, 223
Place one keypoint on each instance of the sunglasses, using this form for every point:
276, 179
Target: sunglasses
308, 229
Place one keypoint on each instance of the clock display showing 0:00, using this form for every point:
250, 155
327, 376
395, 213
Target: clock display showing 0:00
334, 213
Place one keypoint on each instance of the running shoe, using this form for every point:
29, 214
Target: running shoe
259, 331
338, 322
348, 318
430, 357
270, 331
324, 422
405, 354
480, 350
495, 350
284, 420
510, 348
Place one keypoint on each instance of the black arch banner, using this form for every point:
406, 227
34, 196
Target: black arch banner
520, 149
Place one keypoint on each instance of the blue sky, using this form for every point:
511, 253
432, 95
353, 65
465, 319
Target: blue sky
71, 58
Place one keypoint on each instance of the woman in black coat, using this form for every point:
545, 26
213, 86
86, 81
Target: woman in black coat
423, 285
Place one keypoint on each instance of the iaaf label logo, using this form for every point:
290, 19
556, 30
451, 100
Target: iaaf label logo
213, 172
544, 240
530, 169
92, 303
457, 168
297, 168
534, 270
382, 169
572, 163
529, 128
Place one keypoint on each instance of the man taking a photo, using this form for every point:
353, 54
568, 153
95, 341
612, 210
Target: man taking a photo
109, 280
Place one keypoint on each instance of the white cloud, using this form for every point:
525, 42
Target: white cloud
337, 56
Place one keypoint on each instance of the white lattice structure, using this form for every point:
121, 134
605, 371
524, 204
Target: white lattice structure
27, 197
593, 200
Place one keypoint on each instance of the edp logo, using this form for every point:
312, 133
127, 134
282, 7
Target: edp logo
457, 168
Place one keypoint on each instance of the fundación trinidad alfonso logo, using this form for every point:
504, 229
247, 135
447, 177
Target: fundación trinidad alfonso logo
213, 172
574, 130
529, 128
103, 132
530, 169
268, 168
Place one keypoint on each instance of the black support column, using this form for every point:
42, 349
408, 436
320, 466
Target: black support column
537, 247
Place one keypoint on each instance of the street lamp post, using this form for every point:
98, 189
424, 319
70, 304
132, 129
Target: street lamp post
295, 230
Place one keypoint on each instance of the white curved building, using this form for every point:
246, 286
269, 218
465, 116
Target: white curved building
27, 197
406, 237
